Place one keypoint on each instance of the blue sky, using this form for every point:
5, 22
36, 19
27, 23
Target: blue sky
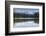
26, 10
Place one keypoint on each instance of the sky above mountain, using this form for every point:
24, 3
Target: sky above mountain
26, 10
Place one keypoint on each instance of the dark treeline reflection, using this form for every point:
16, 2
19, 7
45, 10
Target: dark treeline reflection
23, 20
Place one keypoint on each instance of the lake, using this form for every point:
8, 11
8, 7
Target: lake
26, 23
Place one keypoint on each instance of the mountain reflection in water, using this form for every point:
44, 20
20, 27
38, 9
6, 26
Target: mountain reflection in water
26, 23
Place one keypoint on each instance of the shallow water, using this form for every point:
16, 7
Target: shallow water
25, 24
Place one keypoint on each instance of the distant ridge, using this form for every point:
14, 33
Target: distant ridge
35, 15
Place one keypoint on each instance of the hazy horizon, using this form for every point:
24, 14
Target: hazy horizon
25, 10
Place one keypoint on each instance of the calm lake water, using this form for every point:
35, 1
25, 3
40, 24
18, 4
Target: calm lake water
29, 23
